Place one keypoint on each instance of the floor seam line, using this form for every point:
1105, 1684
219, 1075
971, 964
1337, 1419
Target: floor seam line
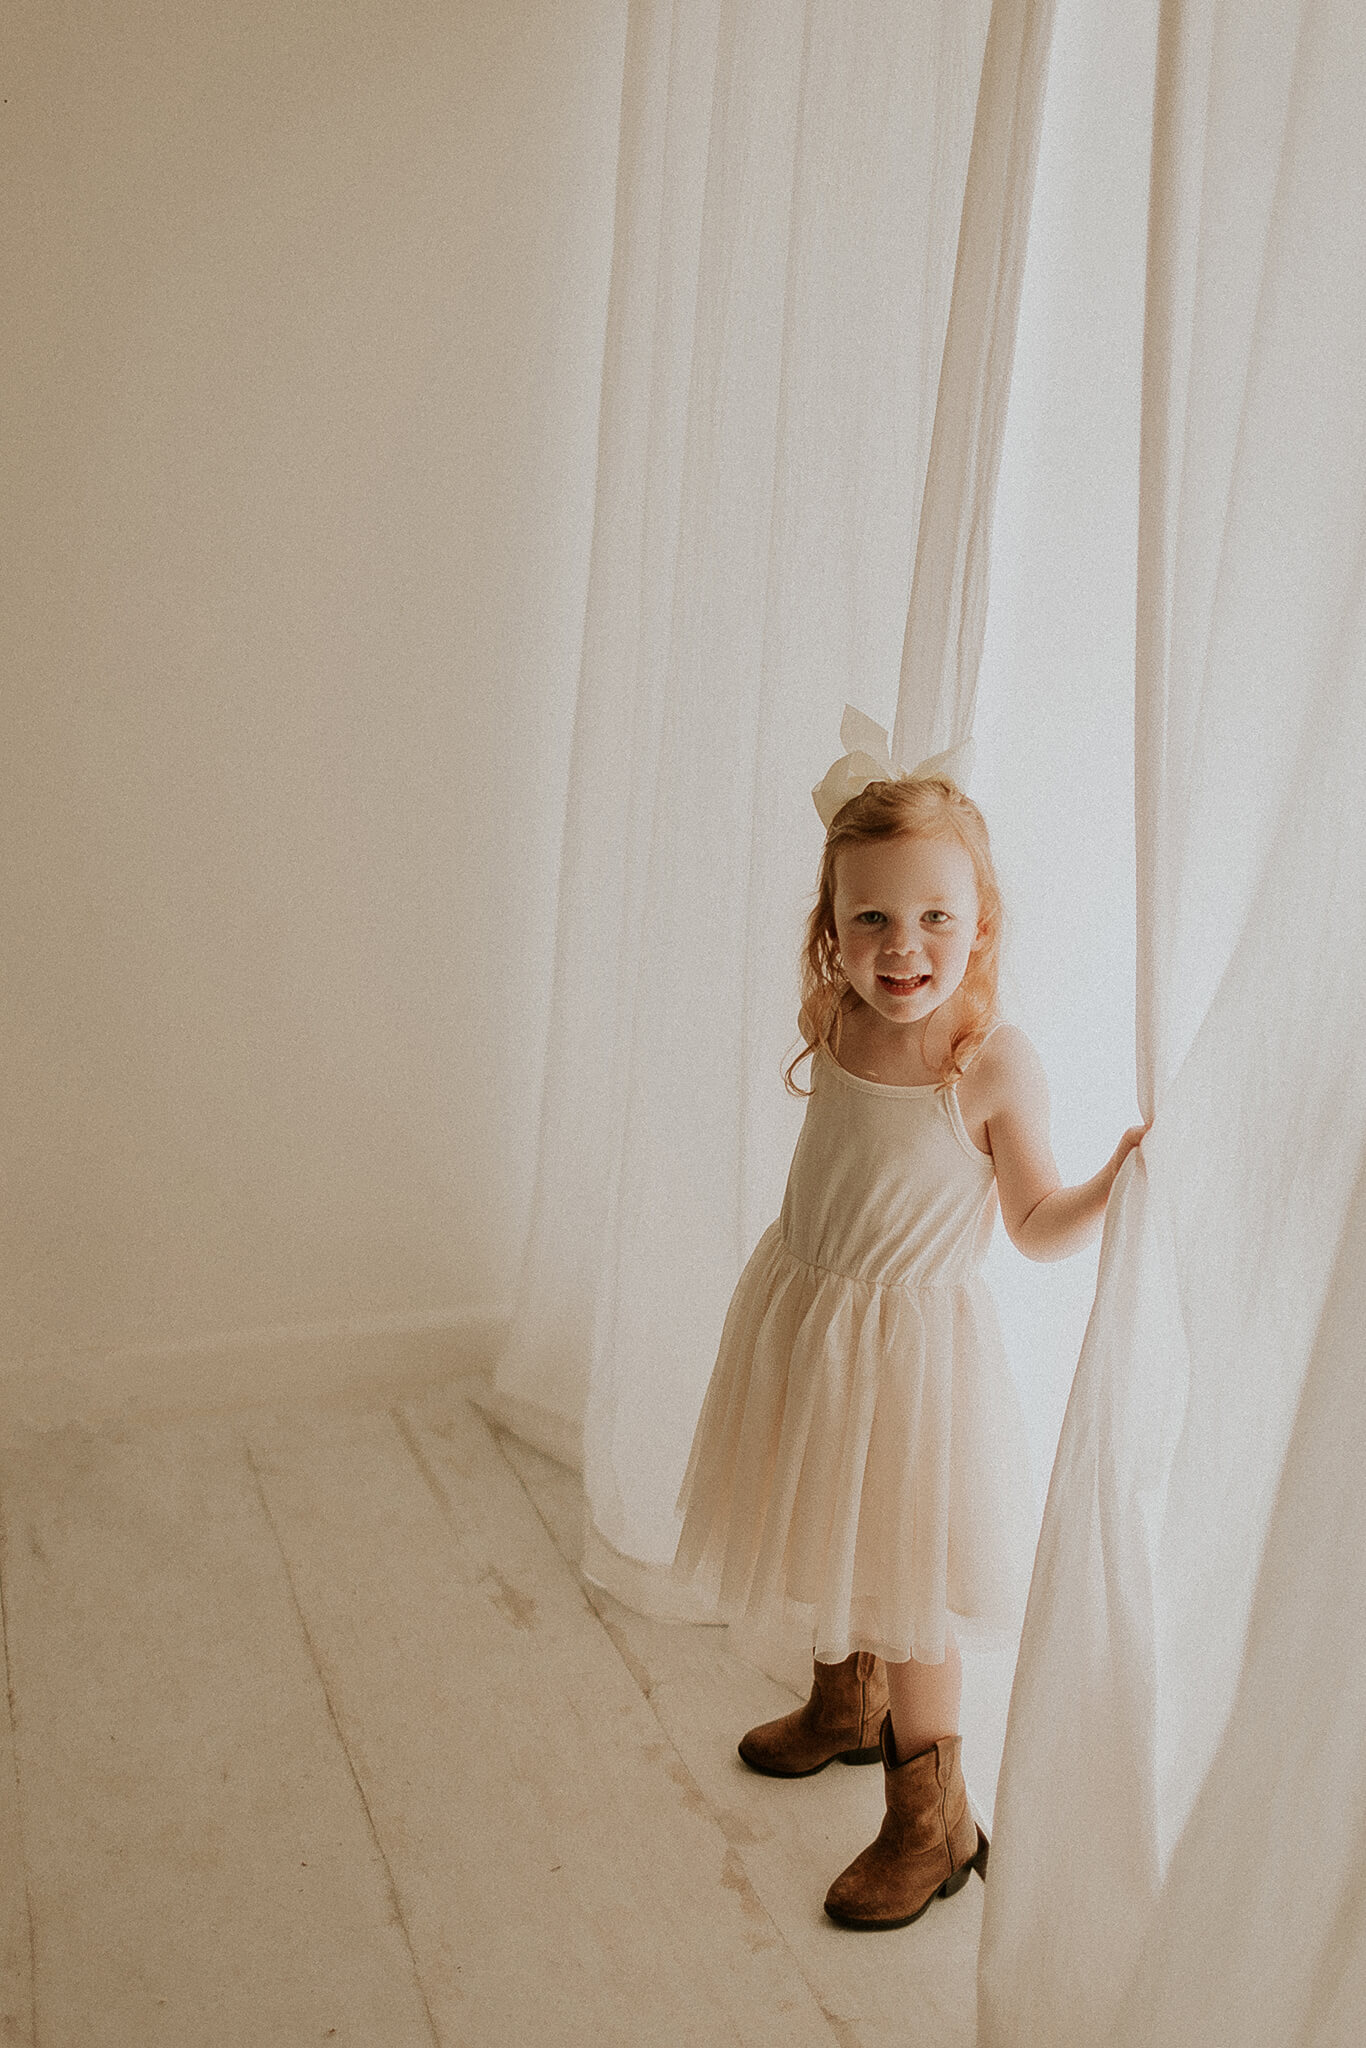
18, 1802
394, 1899
419, 1457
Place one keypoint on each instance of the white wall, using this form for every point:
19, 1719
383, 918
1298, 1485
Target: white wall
303, 325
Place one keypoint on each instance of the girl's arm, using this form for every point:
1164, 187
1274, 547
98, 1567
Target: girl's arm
1043, 1219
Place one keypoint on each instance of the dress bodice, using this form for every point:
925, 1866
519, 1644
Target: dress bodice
886, 1186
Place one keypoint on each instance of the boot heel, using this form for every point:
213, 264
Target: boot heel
862, 1756
956, 1882
979, 1861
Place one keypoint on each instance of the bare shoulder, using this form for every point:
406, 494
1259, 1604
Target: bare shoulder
1006, 1074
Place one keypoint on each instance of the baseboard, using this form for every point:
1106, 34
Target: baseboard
545, 1429
375, 1359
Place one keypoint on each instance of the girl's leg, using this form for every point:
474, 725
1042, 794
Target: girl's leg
925, 1699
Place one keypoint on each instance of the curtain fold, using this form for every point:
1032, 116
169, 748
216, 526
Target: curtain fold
617, 765
791, 227
946, 617
1180, 1806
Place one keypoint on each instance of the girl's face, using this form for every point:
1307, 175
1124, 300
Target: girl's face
906, 920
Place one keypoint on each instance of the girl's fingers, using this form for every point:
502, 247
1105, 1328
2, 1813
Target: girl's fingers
1132, 1137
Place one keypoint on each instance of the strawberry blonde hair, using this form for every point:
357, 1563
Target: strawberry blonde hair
905, 807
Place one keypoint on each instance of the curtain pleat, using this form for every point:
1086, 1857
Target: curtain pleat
617, 765
946, 617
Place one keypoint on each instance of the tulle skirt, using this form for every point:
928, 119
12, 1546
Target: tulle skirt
859, 1471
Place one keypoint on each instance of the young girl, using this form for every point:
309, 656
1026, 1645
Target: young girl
859, 1466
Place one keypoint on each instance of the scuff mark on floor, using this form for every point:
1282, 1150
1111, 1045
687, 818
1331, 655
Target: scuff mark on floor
844, 2031
514, 1606
693, 1797
741, 1832
759, 1931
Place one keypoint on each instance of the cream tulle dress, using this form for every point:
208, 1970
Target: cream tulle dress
859, 1470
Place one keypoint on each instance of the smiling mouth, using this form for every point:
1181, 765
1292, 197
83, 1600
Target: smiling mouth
902, 984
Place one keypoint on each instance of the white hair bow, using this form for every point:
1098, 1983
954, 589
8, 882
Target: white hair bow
868, 759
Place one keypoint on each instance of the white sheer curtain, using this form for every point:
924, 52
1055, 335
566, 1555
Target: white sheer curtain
788, 238
1180, 1847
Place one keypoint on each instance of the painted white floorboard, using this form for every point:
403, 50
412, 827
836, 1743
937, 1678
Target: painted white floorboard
317, 1738
201, 1867
564, 1881
880, 1991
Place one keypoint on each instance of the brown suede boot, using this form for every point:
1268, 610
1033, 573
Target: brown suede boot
926, 1847
840, 1720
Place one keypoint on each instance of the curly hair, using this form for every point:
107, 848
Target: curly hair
904, 807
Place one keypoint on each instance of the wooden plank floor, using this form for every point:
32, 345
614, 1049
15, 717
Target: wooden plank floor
311, 1733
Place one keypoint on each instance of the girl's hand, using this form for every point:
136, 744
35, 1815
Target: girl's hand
1133, 1136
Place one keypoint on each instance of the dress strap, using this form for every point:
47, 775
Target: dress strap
978, 1054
